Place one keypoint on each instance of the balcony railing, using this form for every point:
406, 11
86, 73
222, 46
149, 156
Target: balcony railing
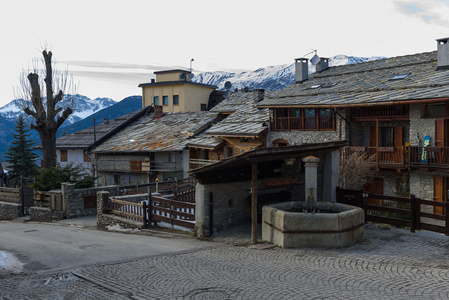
404, 157
196, 163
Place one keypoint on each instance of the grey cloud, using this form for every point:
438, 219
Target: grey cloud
114, 65
427, 11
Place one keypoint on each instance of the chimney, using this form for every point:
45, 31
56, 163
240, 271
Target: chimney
322, 65
443, 53
302, 69
105, 121
153, 80
258, 95
158, 111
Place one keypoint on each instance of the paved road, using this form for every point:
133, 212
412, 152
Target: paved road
42, 246
390, 264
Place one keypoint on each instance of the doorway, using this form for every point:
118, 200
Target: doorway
440, 193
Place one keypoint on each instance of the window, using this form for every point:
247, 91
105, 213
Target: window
86, 157
156, 100
311, 119
175, 99
63, 155
164, 100
203, 107
229, 152
435, 109
399, 77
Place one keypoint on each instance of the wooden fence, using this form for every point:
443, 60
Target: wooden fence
179, 212
11, 195
169, 186
129, 210
412, 212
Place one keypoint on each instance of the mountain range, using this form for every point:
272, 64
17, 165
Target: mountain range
86, 109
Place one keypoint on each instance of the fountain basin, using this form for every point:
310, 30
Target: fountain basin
284, 224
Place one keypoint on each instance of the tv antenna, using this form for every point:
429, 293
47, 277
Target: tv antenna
315, 58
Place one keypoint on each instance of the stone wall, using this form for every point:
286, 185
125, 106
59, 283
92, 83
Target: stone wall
73, 199
420, 126
298, 137
45, 214
9, 211
230, 205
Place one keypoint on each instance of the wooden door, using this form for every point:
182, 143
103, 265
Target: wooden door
375, 185
439, 193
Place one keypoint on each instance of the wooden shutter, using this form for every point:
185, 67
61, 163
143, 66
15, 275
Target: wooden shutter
438, 193
439, 133
373, 136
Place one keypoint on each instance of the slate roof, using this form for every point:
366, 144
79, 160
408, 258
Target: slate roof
367, 83
84, 139
172, 132
244, 120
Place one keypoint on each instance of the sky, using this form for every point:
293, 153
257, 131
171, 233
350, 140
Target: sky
110, 47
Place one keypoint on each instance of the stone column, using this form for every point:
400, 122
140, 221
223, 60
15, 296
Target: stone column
311, 166
101, 196
68, 205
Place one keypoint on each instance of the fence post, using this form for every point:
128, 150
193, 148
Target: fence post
22, 196
446, 228
171, 215
417, 213
144, 213
413, 213
150, 204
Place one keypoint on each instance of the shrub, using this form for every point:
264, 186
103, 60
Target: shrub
51, 178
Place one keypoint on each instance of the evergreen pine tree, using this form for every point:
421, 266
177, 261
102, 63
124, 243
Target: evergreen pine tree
21, 158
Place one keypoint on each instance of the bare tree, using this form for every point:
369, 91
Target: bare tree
356, 169
47, 114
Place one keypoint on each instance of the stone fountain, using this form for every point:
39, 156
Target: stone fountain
310, 223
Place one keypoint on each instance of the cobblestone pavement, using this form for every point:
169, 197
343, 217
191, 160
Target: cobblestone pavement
389, 264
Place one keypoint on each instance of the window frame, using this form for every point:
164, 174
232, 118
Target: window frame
164, 100
155, 100
310, 119
65, 157
175, 99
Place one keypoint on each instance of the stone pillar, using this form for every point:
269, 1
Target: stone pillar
311, 178
101, 196
68, 205
202, 214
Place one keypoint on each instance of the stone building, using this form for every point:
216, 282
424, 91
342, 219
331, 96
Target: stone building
396, 109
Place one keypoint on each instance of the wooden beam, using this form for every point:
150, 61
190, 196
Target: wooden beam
254, 204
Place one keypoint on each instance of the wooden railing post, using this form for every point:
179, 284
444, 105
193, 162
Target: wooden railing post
446, 227
150, 205
412, 213
417, 212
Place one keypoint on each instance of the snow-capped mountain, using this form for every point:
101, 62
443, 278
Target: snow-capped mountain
270, 78
81, 105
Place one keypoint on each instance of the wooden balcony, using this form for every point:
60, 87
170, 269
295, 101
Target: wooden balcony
385, 157
412, 157
196, 163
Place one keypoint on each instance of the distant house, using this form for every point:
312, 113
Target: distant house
175, 92
153, 146
242, 128
396, 109
75, 148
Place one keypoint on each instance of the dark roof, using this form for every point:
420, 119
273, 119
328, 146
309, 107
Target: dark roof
172, 71
171, 132
386, 81
85, 139
241, 164
163, 83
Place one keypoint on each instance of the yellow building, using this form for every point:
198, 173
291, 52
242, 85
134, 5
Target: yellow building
174, 91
